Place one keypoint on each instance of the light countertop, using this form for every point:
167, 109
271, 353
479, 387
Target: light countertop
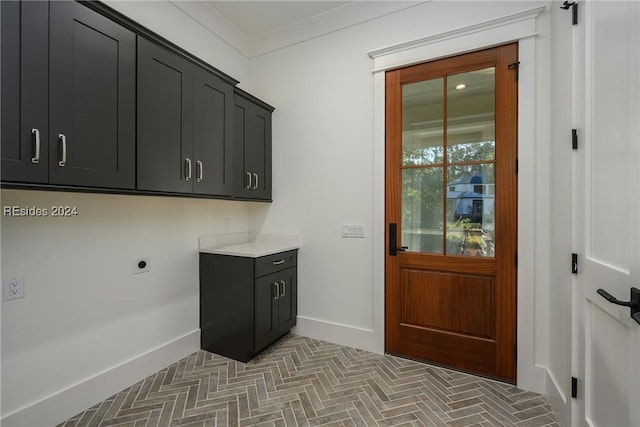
247, 245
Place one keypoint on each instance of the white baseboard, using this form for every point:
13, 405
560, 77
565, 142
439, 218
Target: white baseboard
351, 336
559, 401
72, 400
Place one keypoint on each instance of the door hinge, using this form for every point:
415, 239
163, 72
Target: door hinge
517, 166
574, 139
516, 66
574, 10
515, 353
574, 387
574, 263
516, 259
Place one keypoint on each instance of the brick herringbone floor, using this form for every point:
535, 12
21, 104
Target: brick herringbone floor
304, 382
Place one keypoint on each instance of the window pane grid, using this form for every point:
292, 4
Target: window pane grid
448, 164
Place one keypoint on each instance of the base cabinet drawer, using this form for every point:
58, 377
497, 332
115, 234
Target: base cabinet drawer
245, 307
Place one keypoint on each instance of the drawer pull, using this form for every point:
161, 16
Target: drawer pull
36, 134
280, 261
63, 141
200, 171
188, 169
284, 288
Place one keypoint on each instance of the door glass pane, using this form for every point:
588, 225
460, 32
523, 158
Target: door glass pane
422, 122
470, 210
471, 112
422, 209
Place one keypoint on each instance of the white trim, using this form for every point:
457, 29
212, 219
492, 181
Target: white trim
516, 27
338, 333
76, 398
558, 401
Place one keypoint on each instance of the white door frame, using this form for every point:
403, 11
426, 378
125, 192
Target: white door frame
520, 27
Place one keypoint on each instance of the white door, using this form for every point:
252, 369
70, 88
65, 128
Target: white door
606, 350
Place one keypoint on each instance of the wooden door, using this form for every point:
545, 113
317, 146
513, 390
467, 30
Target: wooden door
451, 129
92, 99
165, 120
213, 122
25, 92
607, 110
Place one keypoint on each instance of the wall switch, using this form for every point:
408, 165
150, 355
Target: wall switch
353, 230
141, 265
13, 288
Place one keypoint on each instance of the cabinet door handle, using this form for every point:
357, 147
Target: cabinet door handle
277, 290
249, 185
284, 288
255, 186
36, 155
280, 261
200, 171
63, 141
188, 169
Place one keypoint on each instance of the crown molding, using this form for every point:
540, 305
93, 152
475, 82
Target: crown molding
521, 24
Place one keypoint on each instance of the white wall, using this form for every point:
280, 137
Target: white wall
81, 297
327, 172
84, 311
87, 326
172, 23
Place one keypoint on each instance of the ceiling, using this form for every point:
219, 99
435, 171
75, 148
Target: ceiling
256, 18
257, 27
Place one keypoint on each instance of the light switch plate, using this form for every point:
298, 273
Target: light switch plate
353, 230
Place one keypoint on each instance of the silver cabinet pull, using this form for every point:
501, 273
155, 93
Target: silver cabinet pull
63, 141
284, 288
280, 261
187, 162
36, 155
277, 290
255, 186
200, 171
249, 185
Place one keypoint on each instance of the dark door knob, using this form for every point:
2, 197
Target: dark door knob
633, 303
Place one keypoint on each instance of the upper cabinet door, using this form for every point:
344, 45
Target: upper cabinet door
213, 122
25, 65
252, 150
92, 99
165, 120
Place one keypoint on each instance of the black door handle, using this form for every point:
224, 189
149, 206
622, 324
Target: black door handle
393, 235
633, 304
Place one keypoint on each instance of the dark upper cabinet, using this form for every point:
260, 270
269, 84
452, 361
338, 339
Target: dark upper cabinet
184, 125
165, 120
92, 99
76, 74
213, 144
252, 147
24, 36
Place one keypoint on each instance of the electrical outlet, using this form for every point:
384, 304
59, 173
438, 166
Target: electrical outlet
227, 224
141, 265
13, 288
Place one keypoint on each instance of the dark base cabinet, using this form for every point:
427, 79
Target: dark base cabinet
246, 303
